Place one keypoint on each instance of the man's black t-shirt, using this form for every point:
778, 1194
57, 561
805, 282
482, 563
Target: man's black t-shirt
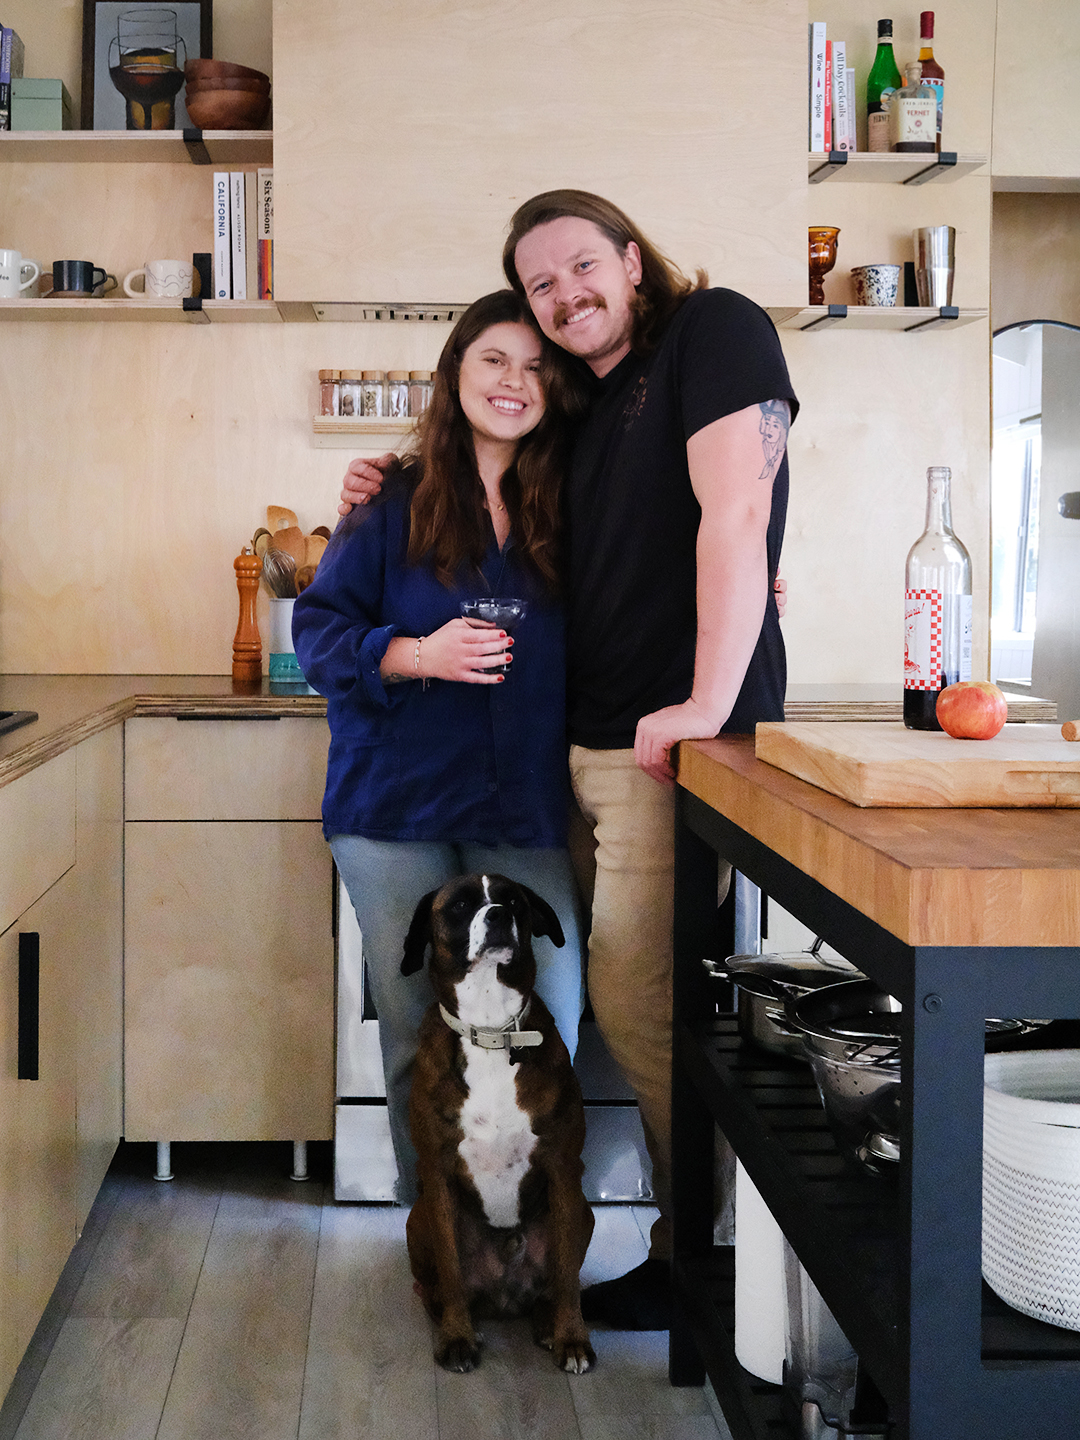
632, 520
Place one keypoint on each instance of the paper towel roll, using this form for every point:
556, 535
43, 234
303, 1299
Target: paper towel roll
760, 1295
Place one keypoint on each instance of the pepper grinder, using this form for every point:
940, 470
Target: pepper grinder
247, 643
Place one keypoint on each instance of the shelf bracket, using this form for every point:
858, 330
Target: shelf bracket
193, 308
836, 161
196, 147
834, 314
944, 162
946, 313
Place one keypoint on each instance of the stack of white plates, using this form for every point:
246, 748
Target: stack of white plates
1031, 1183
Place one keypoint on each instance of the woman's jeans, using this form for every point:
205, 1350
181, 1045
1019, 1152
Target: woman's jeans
386, 879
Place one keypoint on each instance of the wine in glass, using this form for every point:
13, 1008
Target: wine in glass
146, 64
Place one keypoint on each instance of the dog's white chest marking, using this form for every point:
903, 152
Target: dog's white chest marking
498, 1141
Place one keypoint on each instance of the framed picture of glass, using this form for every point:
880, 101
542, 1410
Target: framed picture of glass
134, 52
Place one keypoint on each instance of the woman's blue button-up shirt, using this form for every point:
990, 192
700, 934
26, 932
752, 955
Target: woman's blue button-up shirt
452, 761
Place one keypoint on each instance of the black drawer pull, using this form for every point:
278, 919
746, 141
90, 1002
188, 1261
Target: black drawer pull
29, 1000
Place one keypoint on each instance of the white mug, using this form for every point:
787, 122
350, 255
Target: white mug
161, 279
13, 270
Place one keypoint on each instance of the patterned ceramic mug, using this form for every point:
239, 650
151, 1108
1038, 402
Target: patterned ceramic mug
876, 284
161, 278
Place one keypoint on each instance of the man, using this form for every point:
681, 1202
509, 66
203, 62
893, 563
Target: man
675, 509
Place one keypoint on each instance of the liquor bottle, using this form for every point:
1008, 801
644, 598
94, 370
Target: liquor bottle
913, 115
883, 79
932, 73
937, 608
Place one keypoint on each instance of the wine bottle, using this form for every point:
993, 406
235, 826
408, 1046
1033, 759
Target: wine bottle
932, 73
937, 608
883, 79
913, 116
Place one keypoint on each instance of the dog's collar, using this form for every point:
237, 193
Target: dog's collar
508, 1037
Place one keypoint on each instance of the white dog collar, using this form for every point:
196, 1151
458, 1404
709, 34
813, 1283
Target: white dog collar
507, 1037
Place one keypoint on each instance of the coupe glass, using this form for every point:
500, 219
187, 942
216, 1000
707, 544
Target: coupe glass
495, 610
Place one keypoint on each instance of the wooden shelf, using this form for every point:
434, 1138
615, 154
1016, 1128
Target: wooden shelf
154, 310
351, 432
875, 169
142, 147
914, 318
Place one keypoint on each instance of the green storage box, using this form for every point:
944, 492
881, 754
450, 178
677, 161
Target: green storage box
40, 105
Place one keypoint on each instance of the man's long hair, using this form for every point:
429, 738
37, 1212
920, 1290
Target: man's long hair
449, 524
663, 286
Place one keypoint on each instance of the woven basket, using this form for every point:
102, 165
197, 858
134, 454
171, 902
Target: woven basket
1031, 1183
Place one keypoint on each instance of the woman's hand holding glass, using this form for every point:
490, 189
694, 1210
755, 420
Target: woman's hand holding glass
460, 650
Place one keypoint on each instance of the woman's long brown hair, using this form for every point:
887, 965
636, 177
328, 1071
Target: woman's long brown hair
450, 527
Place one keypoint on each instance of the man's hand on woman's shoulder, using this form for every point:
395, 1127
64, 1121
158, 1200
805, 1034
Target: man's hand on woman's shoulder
363, 479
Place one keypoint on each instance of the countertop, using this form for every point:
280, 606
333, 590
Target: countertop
930, 877
73, 707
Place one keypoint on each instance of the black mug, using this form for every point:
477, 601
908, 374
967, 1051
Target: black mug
80, 277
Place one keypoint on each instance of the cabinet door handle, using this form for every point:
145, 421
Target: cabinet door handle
29, 1000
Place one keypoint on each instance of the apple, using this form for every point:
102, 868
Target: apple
971, 710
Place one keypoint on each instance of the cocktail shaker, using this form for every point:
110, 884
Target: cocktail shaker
935, 247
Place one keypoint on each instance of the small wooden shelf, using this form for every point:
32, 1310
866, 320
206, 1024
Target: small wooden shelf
913, 319
876, 169
142, 147
154, 311
352, 432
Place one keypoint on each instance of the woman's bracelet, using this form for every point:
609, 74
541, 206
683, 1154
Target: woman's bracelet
416, 661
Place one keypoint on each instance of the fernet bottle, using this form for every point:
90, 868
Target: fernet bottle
937, 608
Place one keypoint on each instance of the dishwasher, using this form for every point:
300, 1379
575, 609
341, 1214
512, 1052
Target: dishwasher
617, 1165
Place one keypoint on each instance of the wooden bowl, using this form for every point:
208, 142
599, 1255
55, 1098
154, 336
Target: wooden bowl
216, 82
227, 109
200, 69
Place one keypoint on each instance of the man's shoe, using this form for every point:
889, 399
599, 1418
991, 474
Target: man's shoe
638, 1300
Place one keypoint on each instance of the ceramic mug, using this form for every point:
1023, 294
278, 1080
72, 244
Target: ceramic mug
876, 284
13, 276
80, 277
161, 279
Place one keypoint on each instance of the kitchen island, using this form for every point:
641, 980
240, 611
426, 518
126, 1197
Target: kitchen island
961, 914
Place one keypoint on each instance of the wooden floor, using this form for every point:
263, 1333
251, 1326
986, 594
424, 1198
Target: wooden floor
234, 1302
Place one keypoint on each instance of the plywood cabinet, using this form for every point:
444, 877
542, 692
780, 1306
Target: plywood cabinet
404, 137
228, 932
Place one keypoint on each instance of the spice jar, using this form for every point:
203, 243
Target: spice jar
419, 391
397, 394
329, 382
349, 392
372, 393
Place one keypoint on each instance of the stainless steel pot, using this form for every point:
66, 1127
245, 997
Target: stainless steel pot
766, 984
851, 1035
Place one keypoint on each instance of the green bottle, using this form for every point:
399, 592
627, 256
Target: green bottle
883, 79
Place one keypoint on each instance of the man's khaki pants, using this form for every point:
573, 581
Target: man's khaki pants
628, 864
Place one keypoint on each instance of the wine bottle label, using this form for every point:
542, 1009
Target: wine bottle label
934, 625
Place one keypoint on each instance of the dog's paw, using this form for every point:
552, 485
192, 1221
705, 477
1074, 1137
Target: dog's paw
573, 1356
458, 1355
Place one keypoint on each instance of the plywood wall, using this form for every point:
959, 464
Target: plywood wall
138, 458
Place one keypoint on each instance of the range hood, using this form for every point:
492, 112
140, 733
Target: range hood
354, 310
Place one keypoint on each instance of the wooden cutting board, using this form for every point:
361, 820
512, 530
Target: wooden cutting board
874, 764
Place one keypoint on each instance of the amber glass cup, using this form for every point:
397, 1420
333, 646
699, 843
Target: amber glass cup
822, 259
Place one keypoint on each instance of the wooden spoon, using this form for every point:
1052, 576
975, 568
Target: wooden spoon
314, 545
304, 576
291, 539
278, 517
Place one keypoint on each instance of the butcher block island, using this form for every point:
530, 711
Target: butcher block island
889, 765
961, 913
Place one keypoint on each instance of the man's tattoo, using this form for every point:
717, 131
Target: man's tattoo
774, 425
396, 679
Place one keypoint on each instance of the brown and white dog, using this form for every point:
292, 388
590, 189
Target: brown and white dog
501, 1225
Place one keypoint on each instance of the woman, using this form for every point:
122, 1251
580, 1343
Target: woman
438, 764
